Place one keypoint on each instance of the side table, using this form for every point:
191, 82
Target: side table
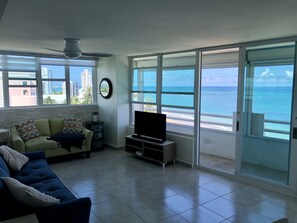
98, 134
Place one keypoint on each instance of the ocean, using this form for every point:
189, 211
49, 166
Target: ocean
274, 102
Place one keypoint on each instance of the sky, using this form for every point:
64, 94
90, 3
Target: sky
264, 76
59, 72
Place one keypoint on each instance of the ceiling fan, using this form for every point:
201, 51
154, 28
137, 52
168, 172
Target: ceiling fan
73, 51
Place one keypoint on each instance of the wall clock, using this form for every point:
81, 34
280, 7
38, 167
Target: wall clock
105, 88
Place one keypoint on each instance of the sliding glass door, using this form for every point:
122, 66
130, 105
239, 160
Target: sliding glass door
265, 137
218, 104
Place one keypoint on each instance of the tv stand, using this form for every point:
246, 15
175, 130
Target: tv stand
147, 138
161, 152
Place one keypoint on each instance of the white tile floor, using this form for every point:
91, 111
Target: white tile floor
124, 188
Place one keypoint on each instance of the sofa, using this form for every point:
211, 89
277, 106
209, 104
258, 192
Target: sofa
37, 174
47, 129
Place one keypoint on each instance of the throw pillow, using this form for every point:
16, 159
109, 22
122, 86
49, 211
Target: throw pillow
72, 126
27, 130
28, 195
13, 158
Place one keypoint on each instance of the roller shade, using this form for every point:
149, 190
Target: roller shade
17, 63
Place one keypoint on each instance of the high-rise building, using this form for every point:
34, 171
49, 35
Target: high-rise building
74, 89
86, 79
47, 86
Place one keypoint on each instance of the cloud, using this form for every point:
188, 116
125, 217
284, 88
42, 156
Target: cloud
289, 74
267, 73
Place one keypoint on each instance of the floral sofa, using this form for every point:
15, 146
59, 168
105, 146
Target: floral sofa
35, 135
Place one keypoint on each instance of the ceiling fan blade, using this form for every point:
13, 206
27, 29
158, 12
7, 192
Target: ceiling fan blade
60, 51
96, 54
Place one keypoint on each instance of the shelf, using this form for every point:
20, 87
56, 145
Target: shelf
159, 152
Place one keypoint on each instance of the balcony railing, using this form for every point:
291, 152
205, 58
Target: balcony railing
272, 128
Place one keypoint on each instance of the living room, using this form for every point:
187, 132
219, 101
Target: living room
161, 39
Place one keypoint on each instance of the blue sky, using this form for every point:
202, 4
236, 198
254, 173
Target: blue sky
59, 72
265, 76
271, 76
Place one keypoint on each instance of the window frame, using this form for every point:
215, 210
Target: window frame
160, 108
33, 63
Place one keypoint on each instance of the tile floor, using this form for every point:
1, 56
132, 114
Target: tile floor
124, 188
228, 166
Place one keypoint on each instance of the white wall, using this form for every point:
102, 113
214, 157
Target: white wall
266, 152
217, 143
115, 110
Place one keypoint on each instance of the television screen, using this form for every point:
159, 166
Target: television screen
150, 125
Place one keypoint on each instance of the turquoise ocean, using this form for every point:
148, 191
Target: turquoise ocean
274, 102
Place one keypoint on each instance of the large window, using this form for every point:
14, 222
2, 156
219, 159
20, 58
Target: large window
32, 81
144, 84
168, 89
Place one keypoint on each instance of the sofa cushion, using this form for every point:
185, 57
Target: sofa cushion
56, 125
29, 195
27, 129
13, 158
4, 172
43, 127
4, 166
35, 171
40, 143
55, 188
72, 126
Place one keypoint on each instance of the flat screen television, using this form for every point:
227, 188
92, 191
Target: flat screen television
150, 126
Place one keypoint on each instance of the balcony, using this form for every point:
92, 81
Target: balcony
218, 139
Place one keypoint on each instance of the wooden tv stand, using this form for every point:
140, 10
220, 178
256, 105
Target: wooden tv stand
159, 152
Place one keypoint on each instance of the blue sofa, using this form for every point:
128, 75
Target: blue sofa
37, 174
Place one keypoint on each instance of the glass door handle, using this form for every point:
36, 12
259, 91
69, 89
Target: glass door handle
294, 132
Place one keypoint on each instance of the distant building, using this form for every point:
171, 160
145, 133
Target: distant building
74, 89
47, 86
86, 79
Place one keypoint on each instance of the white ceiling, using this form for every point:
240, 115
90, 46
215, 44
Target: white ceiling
132, 27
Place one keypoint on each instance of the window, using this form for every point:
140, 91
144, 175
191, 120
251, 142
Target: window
168, 89
178, 96
272, 97
81, 85
1, 91
219, 85
22, 88
32, 81
53, 84
269, 84
144, 85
